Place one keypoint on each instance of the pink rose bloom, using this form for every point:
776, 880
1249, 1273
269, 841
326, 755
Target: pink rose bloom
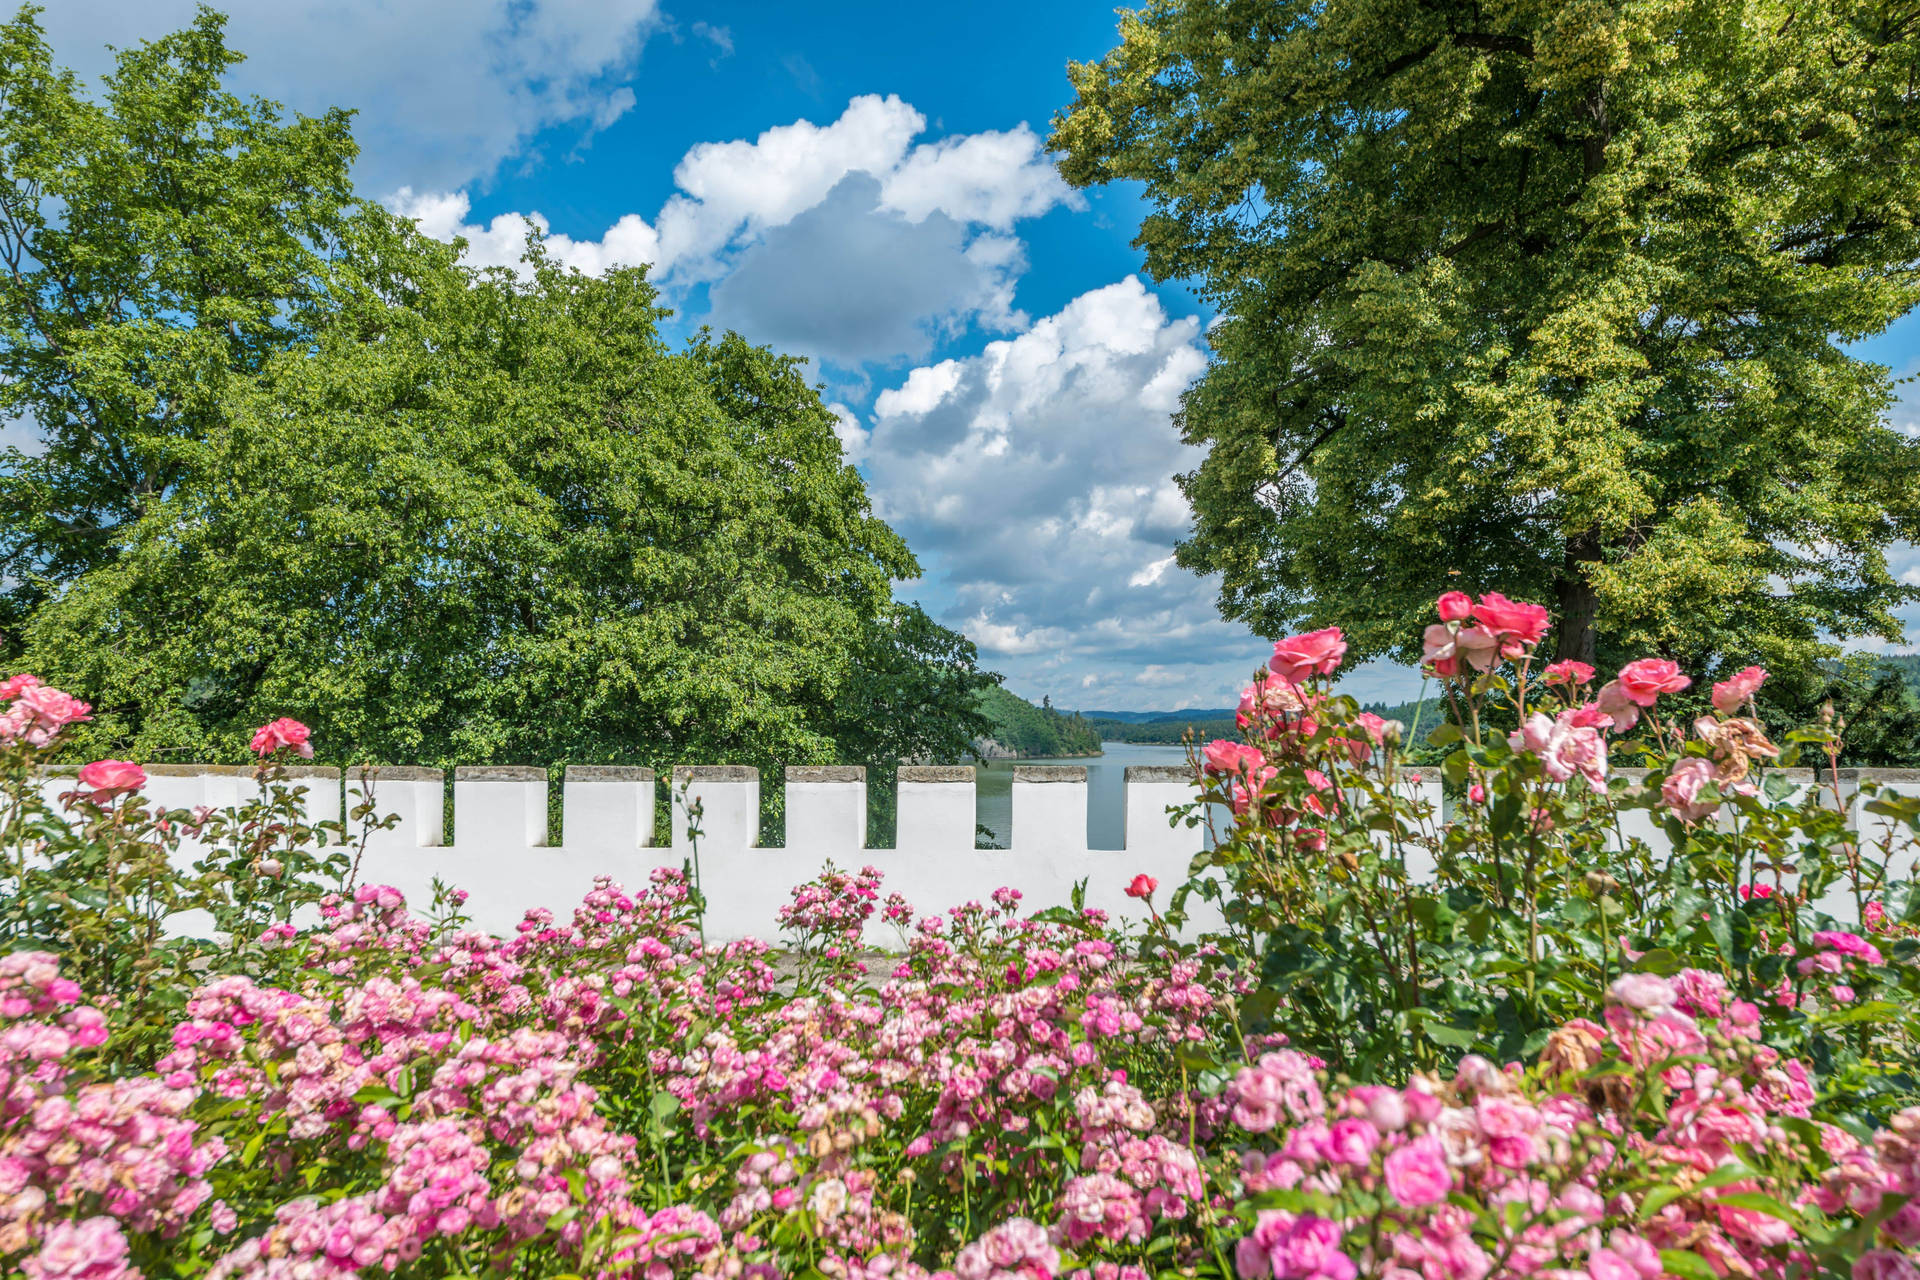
1417, 1173
1884, 1264
1569, 673
284, 732
1223, 755
1453, 606
1729, 694
1589, 716
51, 707
1647, 679
1841, 993
1612, 701
109, 778
13, 686
1649, 993
1311, 1250
1480, 647
1874, 916
1681, 791
1440, 650
1519, 626
1352, 1142
1315, 653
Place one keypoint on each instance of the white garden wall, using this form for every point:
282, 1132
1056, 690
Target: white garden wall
500, 856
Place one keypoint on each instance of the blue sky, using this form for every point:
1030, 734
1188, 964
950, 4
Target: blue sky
863, 183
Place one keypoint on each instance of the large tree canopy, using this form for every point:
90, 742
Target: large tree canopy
442, 515
1548, 293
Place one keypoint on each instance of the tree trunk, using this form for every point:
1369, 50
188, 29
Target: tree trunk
1578, 604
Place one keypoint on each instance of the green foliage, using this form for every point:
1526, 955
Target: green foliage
160, 242
1554, 294
314, 466
1027, 730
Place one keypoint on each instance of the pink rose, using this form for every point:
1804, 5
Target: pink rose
1441, 651
109, 778
1352, 1141
1569, 673
1884, 1264
1730, 693
1311, 1250
1613, 702
1223, 755
1142, 886
1479, 646
269, 738
1681, 791
1315, 653
1518, 625
1417, 1173
13, 686
1647, 679
1453, 606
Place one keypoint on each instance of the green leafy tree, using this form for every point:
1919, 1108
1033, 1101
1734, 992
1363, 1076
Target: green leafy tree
299, 460
499, 520
1549, 293
155, 244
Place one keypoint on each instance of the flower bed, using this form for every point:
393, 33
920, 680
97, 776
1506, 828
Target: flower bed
1562, 1057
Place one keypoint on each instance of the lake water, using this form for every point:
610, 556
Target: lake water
1106, 790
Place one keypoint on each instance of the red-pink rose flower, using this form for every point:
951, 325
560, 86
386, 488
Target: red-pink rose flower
13, 686
1569, 673
1315, 653
1647, 679
269, 738
1142, 886
1518, 625
109, 778
1454, 606
1729, 694
1224, 755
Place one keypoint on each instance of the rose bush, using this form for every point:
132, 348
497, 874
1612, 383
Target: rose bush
1518, 1042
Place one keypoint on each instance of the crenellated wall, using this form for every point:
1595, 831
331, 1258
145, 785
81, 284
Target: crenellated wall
501, 857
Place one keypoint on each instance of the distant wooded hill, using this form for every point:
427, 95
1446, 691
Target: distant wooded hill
1023, 729
1166, 727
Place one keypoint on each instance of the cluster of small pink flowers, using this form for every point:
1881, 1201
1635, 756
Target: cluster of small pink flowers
832, 909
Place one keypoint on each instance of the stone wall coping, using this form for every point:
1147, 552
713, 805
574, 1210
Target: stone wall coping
715, 773
608, 773
826, 773
1159, 773
395, 773
1875, 775
936, 773
499, 773
1049, 773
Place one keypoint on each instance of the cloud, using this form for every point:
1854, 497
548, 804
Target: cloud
446, 90
845, 241
848, 282
1035, 482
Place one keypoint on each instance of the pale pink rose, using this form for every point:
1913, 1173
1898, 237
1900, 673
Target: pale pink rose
109, 778
1649, 993
13, 686
1441, 650
1647, 679
1453, 606
1479, 647
284, 732
1314, 653
1681, 791
1612, 701
1729, 694
1417, 1173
